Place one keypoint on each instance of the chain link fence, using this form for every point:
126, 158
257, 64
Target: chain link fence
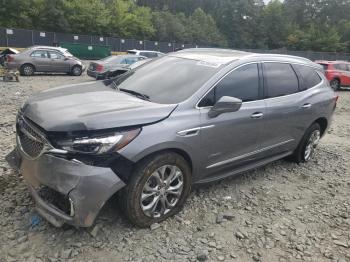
22, 38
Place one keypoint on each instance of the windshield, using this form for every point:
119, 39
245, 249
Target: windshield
67, 54
167, 80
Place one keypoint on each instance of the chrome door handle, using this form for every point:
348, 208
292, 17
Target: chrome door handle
306, 106
257, 115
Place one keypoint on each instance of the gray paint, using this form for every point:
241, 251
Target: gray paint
258, 133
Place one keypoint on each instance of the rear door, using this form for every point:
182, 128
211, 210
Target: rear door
58, 62
40, 59
288, 108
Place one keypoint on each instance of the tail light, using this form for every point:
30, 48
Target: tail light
10, 58
99, 68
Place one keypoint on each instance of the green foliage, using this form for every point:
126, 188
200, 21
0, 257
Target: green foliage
317, 25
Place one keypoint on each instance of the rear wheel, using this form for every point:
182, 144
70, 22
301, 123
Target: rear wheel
306, 149
335, 84
157, 189
77, 70
27, 70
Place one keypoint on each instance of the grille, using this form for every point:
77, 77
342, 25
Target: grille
55, 199
32, 143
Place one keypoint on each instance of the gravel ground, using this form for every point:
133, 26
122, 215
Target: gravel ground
281, 212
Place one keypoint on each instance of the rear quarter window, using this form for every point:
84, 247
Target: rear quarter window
309, 76
325, 66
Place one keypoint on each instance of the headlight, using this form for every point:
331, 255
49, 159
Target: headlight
99, 144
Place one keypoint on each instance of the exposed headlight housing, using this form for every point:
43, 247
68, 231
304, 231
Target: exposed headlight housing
99, 144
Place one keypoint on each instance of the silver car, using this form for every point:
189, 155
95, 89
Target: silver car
45, 59
190, 117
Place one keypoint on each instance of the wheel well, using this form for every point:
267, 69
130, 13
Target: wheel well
181, 152
322, 121
28, 64
336, 78
77, 65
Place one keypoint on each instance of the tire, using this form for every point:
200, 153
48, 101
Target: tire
308, 142
27, 70
76, 70
144, 180
335, 84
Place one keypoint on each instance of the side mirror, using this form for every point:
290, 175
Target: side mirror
225, 104
66, 58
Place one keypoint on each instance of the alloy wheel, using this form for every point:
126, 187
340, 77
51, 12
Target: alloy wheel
28, 70
162, 191
312, 144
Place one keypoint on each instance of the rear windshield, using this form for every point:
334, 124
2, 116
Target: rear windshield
325, 66
167, 80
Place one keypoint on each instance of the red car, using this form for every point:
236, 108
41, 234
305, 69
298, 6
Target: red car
337, 72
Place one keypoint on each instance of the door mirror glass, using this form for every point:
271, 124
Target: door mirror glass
225, 104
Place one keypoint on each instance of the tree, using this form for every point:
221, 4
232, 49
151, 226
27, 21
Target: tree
87, 16
275, 25
130, 20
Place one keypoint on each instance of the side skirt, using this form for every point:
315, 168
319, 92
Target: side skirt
244, 168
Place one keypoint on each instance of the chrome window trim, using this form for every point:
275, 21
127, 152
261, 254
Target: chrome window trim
258, 62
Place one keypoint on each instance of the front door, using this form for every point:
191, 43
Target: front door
232, 139
58, 64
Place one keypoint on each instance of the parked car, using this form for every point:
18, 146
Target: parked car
146, 53
337, 73
190, 117
45, 59
5, 52
112, 66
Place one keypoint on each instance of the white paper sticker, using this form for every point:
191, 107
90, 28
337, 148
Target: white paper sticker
42, 34
141, 42
122, 41
169, 44
89, 47
101, 39
155, 43
9, 31
76, 37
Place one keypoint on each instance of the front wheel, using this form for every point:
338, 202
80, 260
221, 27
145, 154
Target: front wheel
158, 188
307, 146
335, 84
77, 70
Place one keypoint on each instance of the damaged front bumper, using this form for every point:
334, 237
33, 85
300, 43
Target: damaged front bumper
81, 189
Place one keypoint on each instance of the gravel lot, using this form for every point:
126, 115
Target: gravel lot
281, 212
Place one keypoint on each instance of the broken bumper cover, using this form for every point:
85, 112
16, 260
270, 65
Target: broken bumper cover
85, 188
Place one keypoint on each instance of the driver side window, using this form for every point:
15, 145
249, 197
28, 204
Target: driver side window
242, 83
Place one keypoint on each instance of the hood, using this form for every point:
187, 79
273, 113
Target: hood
91, 106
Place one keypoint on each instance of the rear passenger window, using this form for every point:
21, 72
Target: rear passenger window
309, 76
39, 54
280, 79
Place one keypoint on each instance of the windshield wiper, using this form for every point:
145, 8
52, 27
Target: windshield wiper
137, 94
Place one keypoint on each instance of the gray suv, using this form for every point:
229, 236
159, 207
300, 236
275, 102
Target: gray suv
45, 59
190, 117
